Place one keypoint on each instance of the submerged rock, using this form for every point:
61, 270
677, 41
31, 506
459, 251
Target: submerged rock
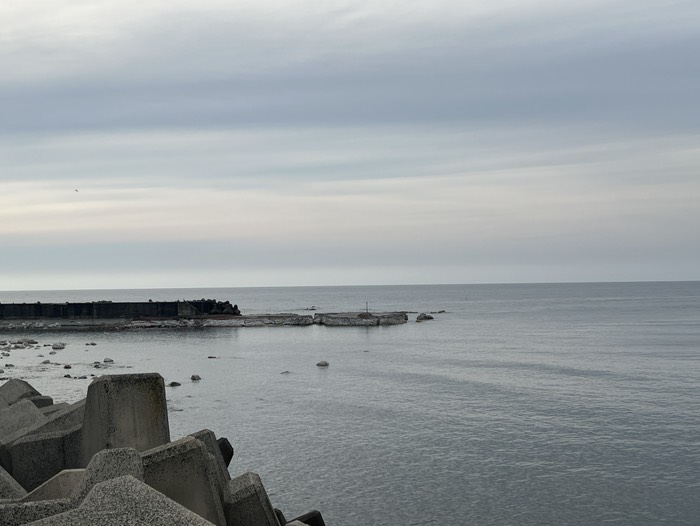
423, 317
322, 363
174, 384
195, 378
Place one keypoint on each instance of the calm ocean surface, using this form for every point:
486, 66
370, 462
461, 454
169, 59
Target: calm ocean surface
562, 404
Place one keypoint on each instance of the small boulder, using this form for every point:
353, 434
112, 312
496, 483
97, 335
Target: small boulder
67, 366
322, 363
108, 360
195, 378
423, 317
174, 384
45, 362
58, 346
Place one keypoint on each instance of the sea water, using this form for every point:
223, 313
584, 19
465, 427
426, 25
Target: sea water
571, 404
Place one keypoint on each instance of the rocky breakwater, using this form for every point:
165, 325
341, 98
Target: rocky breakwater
360, 319
108, 459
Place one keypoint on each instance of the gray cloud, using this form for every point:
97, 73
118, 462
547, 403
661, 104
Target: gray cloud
350, 142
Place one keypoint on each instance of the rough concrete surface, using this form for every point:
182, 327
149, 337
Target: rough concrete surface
9, 487
14, 390
37, 458
60, 486
125, 410
246, 502
126, 501
185, 472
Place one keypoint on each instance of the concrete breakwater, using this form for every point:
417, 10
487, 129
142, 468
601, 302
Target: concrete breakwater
176, 314
109, 459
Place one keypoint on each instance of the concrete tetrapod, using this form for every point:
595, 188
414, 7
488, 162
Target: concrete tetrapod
125, 410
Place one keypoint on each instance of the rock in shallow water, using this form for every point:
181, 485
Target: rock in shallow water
195, 378
322, 363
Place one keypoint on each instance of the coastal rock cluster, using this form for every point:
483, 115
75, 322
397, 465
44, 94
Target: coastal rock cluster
109, 459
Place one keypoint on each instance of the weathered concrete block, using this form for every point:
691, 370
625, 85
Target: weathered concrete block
126, 410
9, 487
15, 390
37, 458
60, 486
246, 502
109, 464
41, 401
50, 409
59, 421
18, 416
17, 513
126, 501
185, 472
313, 518
77, 483
14, 420
208, 438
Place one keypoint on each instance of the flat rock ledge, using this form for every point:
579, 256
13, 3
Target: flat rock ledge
108, 459
360, 319
332, 319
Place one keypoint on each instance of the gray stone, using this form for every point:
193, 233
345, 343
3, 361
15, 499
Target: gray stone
14, 390
125, 501
195, 378
125, 410
246, 502
9, 487
60, 486
185, 472
423, 317
37, 458
322, 363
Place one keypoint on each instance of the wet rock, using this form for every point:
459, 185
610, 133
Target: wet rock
58, 346
9, 365
52, 352
212, 357
195, 378
423, 317
45, 362
322, 363
286, 372
108, 360
67, 376
67, 366
174, 384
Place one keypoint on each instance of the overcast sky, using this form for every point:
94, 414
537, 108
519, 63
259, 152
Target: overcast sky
279, 142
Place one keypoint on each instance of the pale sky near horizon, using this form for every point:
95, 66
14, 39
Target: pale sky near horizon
279, 142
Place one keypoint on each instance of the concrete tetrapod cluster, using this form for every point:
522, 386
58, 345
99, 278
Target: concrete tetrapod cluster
108, 460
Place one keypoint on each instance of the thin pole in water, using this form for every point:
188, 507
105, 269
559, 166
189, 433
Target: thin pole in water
367, 307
